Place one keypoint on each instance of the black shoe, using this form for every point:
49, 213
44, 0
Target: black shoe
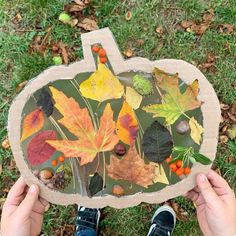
163, 222
87, 218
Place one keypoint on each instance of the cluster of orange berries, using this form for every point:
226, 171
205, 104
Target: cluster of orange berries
101, 53
177, 167
60, 159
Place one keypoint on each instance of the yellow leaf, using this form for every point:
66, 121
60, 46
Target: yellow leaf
160, 175
127, 124
174, 103
133, 98
102, 85
196, 130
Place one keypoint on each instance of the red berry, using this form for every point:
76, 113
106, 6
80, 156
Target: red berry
173, 167
61, 159
187, 171
54, 163
167, 160
179, 171
179, 163
102, 53
95, 49
103, 60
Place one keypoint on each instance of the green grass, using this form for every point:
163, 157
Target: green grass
18, 65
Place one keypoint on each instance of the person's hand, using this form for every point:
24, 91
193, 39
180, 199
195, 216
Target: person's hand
216, 205
23, 211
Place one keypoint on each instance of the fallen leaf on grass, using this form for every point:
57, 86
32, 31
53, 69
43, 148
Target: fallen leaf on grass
88, 24
226, 29
12, 165
159, 30
77, 6
128, 15
38, 150
174, 103
127, 124
131, 168
0, 170
181, 214
196, 130
102, 85
128, 53
78, 122
186, 24
32, 123
5, 144
232, 132
133, 98
20, 86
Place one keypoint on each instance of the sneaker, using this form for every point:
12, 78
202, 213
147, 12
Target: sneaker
163, 222
87, 218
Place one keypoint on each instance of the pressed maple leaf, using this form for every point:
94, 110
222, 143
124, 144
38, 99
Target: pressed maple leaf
174, 103
127, 124
32, 123
77, 121
102, 85
132, 168
38, 151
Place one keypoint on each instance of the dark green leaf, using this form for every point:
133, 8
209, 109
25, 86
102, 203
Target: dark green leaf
45, 102
157, 142
202, 159
96, 184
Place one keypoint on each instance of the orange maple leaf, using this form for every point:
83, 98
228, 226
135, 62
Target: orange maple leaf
77, 121
132, 168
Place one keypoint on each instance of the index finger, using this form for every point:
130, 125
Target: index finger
15, 193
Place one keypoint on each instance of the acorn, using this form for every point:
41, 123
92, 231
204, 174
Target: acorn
118, 191
45, 174
182, 127
120, 149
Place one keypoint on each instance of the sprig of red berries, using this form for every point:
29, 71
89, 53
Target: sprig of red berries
101, 53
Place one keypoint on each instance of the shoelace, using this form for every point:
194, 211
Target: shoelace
165, 231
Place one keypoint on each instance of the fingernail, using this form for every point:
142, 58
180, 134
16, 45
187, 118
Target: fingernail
202, 178
33, 189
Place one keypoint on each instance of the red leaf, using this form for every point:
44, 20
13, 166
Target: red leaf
38, 150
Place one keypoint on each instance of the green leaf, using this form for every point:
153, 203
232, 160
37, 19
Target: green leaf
192, 159
96, 184
202, 159
157, 142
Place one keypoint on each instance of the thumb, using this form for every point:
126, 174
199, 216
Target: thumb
208, 193
27, 205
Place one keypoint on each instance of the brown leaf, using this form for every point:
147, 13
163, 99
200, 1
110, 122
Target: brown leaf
199, 29
88, 24
131, 168
128, 53
186, 23
12, 165
226, 29
17, 18
223, 139
128, 15
140, 42
159, 30
6, 144
181, 214
21, 86
208, 16
0, 168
